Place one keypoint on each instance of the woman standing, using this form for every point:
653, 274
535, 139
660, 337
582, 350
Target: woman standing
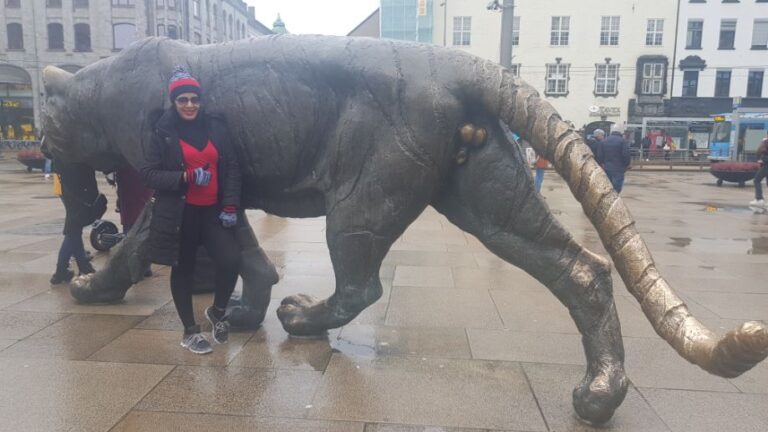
192, 166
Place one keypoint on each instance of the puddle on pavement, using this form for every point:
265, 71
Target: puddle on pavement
752, 246
714, 207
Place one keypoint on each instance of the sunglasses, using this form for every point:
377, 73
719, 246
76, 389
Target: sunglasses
183, 100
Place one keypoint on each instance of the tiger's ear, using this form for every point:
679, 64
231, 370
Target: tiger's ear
55, 80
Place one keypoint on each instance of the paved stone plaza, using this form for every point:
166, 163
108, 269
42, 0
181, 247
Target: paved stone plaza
460, 341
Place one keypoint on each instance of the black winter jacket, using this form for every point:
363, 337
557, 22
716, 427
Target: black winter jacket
613, 153
163, 169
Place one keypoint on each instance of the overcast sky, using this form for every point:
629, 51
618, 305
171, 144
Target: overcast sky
332, 17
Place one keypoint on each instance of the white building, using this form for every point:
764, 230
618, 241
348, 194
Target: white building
74, 33
588, 57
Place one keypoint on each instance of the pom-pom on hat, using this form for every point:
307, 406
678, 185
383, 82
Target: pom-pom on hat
182, 82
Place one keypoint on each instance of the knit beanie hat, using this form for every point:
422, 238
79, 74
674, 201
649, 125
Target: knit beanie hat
182, 82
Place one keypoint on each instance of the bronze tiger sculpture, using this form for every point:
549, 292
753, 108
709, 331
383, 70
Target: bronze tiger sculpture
368, 133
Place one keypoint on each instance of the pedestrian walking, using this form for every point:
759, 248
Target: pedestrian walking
593, 142
192, 166
541, 164
762, 173
614, 157
76, 184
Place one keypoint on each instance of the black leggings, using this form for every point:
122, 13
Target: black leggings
201, 225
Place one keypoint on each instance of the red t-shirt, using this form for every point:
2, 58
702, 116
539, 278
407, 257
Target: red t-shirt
194, 158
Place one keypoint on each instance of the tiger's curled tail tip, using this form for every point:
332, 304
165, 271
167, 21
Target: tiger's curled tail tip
741, 349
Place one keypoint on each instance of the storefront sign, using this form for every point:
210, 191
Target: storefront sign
603, 111
11, 104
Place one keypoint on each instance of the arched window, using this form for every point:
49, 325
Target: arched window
55, 36
15, 36
82, 37
123, 34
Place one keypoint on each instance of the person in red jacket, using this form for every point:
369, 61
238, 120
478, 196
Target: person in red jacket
192, 165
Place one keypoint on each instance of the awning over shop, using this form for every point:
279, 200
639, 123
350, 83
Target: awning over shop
14, 75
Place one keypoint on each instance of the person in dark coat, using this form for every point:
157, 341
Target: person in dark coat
598, 135
192, 166
613, 155
83, 205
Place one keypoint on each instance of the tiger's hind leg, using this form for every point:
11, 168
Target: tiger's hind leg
492, 197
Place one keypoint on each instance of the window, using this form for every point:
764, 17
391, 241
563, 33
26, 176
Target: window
723, 83
82, 37
755, 84
462, 31
123, 3
161, 30
230, 28
215, 17
609, 30
80, 4
123, 34
55, 36
727, 34
561, 30
53, 4
606, 79
515, 69
173, 33
198, 38
196, 8
171, 4
695, 32
160, 4
653, 78
13, 4
516, 31
557, 79
15, 36
654, 33
690, 83
760, 34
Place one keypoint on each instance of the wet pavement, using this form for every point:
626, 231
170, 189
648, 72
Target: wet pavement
460, 341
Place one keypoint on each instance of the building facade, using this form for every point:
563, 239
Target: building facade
74, 33
588, 58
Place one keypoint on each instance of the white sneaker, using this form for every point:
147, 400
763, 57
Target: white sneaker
757, 203
47, 176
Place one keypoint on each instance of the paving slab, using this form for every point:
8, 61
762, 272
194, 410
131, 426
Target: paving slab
18, 325
685, 411
526, 346
423, 276
533, 311
75, 337
237, 391
441, 307
442, 392
17, 287
145, 421
553, 385
376, 341
59, 395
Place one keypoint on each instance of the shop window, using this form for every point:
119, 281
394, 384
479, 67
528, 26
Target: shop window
15, 36
123, 34
690, 83
723, 83
55, 36
82, 37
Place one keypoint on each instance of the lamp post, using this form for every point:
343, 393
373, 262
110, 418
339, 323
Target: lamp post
507, 26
